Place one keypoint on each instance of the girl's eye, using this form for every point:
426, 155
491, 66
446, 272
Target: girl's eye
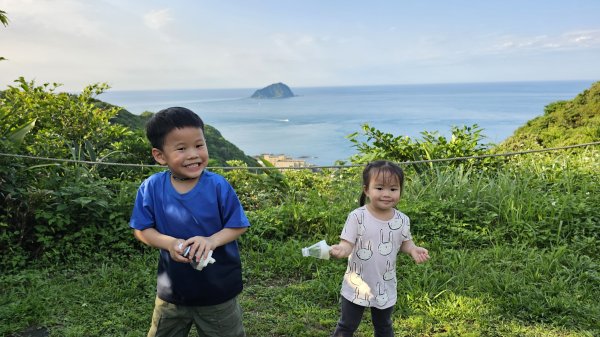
199, 146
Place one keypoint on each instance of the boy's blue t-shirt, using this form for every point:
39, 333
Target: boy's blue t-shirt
209, 207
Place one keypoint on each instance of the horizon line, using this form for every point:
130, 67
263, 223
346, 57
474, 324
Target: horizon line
362, 85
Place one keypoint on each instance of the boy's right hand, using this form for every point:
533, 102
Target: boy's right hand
176, 250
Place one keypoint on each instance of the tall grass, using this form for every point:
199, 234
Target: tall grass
542, 201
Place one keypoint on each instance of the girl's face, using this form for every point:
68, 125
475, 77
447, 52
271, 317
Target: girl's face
383, 192
184, 152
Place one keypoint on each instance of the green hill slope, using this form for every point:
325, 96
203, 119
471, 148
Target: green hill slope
220, 149
569, 122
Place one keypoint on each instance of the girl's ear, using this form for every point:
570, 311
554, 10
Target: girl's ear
158, 156
365, 195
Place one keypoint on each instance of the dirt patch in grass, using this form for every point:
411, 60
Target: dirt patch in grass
33, 331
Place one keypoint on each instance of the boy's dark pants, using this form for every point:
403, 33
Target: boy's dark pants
352, 315
221, 320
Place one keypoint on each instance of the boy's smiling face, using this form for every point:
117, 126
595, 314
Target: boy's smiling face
184, 152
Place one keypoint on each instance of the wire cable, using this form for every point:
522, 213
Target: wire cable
506, 154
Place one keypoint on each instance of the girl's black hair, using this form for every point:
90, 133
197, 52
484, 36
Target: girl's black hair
164, 121
380, 167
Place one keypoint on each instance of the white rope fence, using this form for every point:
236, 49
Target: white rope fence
506, 154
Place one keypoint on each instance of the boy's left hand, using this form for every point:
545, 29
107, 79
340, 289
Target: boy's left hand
420, 254
200, 246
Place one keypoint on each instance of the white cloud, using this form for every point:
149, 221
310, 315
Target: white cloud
66, 17
135, 44
581, 39
585, 39
157, 19
574, 40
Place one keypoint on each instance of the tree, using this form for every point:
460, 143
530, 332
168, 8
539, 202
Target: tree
3, 18
4, 21
14, 133
63, 122
374, 144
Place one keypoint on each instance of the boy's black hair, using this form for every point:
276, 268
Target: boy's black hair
380, 167
164, 121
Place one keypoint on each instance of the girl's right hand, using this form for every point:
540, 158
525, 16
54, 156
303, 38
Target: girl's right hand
335, 251
341, 250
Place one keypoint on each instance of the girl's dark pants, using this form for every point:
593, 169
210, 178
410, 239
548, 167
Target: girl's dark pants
352, 315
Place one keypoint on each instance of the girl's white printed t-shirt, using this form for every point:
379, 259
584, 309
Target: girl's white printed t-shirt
370, 279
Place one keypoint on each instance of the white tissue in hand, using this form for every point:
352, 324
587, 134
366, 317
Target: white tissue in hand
198, 265
203, 262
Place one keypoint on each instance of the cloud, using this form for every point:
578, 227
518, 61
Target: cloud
66, 18
584, 39
187, 45
574, 40
157, 19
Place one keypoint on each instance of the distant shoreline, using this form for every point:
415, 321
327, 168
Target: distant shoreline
252, 89
319, 119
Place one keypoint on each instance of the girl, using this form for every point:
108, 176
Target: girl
371, 239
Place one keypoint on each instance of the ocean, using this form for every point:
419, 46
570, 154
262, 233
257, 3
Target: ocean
315, 124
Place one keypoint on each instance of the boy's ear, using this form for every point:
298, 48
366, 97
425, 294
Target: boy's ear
158, 156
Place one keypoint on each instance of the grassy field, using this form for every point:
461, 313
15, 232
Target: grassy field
512, 254
497, 291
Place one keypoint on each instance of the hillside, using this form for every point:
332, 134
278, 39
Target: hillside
567, 122
220, 149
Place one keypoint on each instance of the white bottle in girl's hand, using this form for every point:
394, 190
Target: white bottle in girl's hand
319, 250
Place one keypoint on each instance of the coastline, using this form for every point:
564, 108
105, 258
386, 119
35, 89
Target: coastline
319, 119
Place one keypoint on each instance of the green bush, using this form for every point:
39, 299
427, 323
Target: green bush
465, 141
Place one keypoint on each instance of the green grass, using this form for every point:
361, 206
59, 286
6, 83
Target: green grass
514, 253
498, 291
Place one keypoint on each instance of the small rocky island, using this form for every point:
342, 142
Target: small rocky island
277, 90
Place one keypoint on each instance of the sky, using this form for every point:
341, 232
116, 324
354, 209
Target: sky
195, 44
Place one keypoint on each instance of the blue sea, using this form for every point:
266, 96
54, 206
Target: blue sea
315, 124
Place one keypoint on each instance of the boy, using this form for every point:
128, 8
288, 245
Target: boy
188, 206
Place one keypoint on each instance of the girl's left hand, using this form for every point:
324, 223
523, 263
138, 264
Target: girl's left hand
420, 254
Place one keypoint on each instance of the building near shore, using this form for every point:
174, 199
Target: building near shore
283, 161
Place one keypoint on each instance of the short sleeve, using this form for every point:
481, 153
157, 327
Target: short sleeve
405, 229
142, 216
352, 226
230, 207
